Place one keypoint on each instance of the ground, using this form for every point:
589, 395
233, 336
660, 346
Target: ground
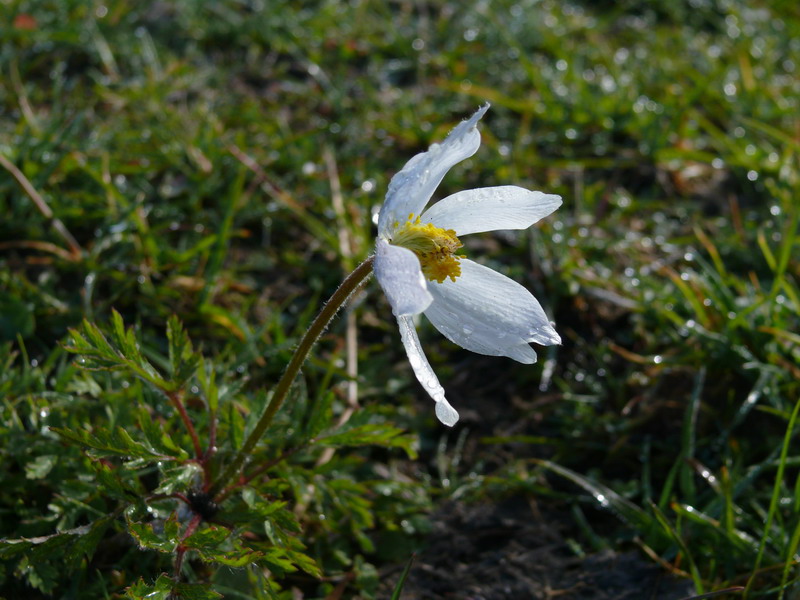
513, 550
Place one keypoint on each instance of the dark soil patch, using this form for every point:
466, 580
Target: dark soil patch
509, 551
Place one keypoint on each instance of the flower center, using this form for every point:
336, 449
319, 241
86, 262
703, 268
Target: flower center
433, 246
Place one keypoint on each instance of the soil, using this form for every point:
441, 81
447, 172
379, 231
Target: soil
510, 551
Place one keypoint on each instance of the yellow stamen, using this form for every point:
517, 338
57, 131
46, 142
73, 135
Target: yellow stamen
433, 246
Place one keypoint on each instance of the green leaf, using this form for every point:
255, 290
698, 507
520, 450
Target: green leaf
159, 590
112, 484
195, 591
12, 548
40, 466
321, 415
607, 498
40, 575
398, 589
373, 434
366, 577
86, 544
183, 362
270, 510
206, 376
207, 538
112, 443
98, 352
165, 539
156, 436
215, 544
178, 478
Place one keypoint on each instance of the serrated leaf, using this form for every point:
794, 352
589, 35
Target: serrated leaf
372, 434
206, 376
121, 337
95, 340
207, 538
112, 484
157, 437
111, 443
182, 359
215, 544
321, 415
40, 466
159, 590
280, 561
194, 591
99, 353
12, 548
258, 406
178, 478
166, 539
86, 544
236, 558
40, 575
270, 510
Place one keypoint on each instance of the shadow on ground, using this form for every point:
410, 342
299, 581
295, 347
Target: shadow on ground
508, 551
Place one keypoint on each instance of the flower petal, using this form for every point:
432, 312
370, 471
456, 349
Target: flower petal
411, 188
399, 273
488, 313
492, 208
422, 369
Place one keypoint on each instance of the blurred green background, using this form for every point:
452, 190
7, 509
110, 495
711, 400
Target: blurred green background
224, 161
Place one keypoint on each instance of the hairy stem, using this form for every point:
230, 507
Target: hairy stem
329, 310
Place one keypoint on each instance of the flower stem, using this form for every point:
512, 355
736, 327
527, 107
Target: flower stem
329, 310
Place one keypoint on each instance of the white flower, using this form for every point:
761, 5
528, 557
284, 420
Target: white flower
416, 265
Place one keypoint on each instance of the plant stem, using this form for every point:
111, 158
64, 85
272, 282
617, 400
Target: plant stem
329, 310
177, 402
180, 551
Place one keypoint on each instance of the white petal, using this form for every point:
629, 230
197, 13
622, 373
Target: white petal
522, 353
489, 209
488, 313
422, 369
399, 273
411, 188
